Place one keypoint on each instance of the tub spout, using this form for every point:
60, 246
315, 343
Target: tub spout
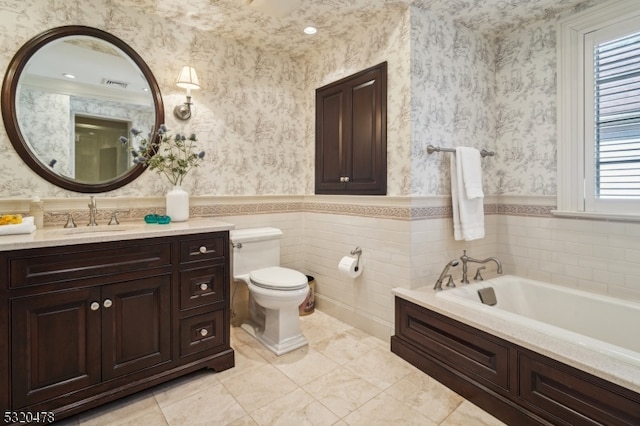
466, 259
494, 259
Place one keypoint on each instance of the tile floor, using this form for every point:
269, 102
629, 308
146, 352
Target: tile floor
344, 377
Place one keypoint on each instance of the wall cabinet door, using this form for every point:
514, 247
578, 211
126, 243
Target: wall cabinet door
55, 344
351, 147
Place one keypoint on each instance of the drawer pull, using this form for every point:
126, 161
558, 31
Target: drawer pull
203, 332
107, 303
203, 249
204, 286
95, 306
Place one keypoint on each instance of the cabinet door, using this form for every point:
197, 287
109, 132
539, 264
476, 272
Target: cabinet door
136, 328
351, 147
55, 344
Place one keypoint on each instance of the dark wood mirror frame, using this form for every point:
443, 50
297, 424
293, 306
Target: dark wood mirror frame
8, 103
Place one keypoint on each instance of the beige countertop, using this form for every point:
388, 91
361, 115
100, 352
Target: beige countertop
585, 359
58, 236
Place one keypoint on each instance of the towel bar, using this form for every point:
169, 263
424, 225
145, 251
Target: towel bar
431, 149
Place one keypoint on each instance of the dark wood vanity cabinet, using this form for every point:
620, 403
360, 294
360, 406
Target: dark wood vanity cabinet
85, 324
351, 134
515, 384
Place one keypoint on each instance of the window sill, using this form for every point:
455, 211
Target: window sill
618, 217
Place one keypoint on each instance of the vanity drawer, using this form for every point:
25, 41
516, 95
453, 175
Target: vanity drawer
202, 286
201, 332
211, 246
64, 264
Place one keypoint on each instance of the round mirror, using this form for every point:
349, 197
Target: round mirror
68, 96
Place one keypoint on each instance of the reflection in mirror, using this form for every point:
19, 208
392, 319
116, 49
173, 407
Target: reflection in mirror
99, 155
68, 96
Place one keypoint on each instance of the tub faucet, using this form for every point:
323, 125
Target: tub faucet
93, 210
466, 259
444, 275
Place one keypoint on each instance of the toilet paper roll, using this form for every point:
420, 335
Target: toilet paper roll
347, 267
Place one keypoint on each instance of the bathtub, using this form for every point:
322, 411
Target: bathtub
595, 333
599, 323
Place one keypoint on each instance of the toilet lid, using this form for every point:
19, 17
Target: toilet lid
278, 278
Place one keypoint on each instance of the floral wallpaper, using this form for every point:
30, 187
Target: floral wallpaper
47, 126
383, 37
449, 84
526, 108
452, 98
248, 116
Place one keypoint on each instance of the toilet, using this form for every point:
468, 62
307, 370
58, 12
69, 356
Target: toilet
274, 292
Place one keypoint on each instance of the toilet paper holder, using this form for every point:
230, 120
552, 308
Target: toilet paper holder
357, 252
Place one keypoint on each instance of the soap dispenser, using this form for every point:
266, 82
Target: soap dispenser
36, 209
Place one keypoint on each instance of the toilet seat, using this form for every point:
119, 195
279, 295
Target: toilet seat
278, 278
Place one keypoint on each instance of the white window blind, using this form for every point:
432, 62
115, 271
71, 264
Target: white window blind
599, 112
617, 118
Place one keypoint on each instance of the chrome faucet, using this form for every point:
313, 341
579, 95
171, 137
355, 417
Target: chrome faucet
466, 259
93, 210
444, 275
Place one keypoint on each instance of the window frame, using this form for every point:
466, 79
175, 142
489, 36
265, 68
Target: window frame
572, 38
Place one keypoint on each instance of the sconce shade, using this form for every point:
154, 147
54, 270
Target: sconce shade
188, 79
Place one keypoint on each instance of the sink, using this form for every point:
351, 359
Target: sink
100, 229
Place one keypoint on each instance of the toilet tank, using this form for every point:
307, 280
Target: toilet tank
255, 248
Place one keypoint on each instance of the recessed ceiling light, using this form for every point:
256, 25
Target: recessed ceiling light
310, 30
68, 75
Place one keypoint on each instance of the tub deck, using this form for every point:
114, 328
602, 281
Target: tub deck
574, 353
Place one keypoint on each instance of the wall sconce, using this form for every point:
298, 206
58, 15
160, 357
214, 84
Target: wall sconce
188, 79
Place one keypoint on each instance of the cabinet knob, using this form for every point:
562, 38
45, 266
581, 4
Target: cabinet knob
203, 249
95, 306
204, 286
107, 303
346, 178
341, 178
203, 332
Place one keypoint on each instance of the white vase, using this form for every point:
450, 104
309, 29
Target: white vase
178, 204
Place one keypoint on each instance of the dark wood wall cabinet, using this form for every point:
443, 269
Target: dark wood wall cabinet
85, 324
351, 134
516, 385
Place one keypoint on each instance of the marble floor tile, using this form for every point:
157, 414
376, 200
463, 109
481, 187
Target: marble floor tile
347, 346
426, 395
184, 387
122, 411
256, 388
243, 421
469, 414
321, 326
368, 367
295, 408
246, 359
384, 410
212, 406
342, 391
304, 365
343, 377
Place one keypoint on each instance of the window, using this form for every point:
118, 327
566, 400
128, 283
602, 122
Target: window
599, 111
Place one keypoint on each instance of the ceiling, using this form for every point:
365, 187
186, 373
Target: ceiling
238, 20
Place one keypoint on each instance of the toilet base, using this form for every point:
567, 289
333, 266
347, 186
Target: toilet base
286, 345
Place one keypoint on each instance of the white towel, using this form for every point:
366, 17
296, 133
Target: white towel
468, 206
471, 171
26, 227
